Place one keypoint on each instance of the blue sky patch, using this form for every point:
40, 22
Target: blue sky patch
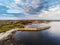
37, 9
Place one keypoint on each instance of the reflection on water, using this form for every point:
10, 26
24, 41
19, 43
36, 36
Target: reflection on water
46, 37
55, 26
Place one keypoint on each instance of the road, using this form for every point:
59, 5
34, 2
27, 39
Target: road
46, 37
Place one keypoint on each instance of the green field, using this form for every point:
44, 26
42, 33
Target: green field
8, 25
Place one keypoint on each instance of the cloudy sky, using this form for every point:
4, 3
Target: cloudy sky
30, 9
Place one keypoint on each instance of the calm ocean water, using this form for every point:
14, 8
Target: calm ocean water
46, 37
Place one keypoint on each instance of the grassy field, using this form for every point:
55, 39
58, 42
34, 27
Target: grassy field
7, 27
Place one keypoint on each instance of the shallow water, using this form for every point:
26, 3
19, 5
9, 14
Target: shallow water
46, 37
